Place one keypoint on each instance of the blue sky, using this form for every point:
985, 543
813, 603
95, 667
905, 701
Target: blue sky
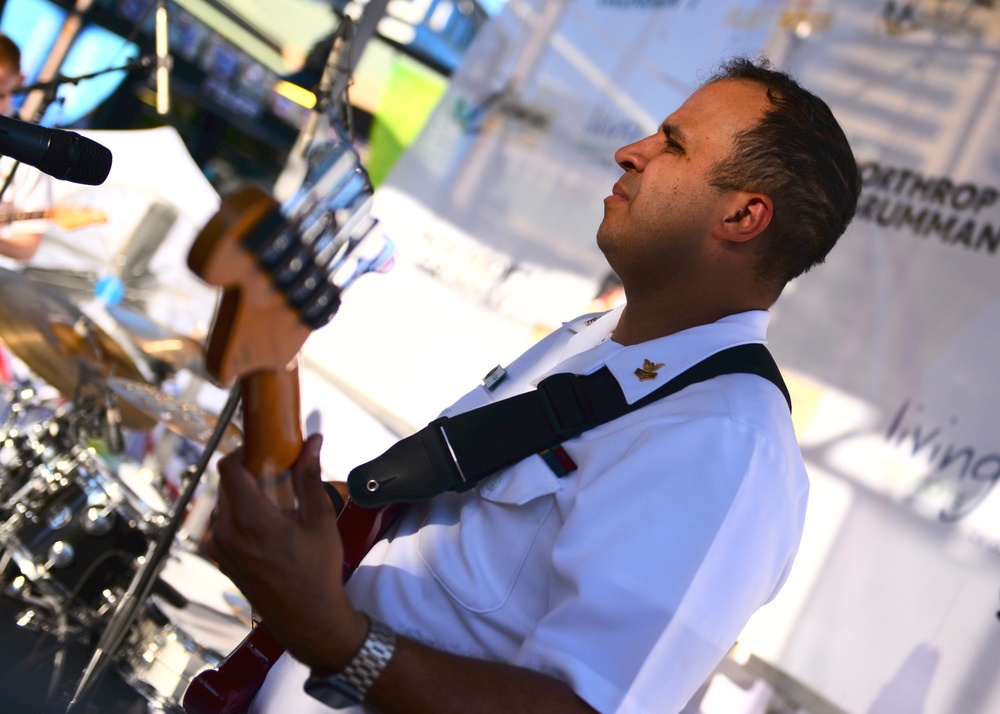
492, 6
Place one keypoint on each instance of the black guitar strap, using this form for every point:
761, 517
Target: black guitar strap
454, 453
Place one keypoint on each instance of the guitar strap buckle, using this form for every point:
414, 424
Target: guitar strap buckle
415, 468
565, 404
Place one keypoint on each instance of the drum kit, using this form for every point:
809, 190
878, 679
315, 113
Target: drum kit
84, 503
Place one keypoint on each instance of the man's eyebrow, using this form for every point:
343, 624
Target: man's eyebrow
673, 131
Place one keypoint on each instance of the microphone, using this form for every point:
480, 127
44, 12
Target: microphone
63, 154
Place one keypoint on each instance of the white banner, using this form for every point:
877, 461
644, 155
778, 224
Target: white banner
893, 342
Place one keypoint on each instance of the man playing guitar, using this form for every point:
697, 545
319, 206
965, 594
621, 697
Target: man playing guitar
619, 584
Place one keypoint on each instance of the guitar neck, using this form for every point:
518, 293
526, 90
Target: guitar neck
272, 430
272, 440
282, 269
22, 216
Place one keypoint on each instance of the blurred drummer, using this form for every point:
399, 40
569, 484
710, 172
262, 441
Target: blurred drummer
23, 188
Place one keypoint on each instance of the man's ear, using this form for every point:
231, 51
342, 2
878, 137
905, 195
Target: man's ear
751, 214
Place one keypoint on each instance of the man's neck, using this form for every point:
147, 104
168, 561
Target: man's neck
642, 322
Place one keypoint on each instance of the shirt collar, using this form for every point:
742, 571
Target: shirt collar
591, 348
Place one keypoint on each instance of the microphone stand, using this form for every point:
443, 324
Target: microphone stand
296, 165
10, 177
348, 42
49, 89
141, 62
142, 582
326, 101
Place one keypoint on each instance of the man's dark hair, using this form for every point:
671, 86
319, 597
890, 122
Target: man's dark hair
10, 55
799, 156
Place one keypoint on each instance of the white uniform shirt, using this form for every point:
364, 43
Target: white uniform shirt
631, 577
30, 191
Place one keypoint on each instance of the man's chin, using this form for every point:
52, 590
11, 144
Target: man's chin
605, 240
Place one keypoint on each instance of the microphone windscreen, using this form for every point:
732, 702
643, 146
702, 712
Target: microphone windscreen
71, 157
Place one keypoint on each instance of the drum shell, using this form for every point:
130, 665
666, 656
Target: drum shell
76, 532
161, 658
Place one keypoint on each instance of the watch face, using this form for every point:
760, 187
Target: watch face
332, 692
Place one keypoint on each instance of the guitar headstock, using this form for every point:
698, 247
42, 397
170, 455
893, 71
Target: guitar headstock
283, 267
69, 218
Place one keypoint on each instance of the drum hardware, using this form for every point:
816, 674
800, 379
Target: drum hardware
59, 343
63, 527
46, 614
31, 448
75, 533
43, 459
141, 586
79, 555
54, 624
73, 526
21, 400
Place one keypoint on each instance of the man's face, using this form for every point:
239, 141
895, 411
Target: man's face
10, 79
662, 210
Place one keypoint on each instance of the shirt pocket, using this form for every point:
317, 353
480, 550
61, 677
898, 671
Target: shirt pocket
477, 556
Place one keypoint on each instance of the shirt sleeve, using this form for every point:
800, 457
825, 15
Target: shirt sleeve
662, 560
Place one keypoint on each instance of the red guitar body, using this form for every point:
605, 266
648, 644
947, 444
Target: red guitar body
230, 687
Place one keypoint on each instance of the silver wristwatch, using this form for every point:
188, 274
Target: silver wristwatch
350, 685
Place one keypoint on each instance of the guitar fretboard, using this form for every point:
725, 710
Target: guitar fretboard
22, 216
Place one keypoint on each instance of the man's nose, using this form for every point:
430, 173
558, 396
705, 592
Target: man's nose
635, 155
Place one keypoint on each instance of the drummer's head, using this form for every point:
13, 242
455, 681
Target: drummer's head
10, 73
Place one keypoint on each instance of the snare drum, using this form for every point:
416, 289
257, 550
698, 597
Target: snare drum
170, 645
160, 659
76, 530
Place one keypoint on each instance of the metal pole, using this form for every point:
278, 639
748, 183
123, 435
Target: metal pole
142, 582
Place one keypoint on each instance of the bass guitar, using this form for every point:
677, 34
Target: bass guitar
282, 270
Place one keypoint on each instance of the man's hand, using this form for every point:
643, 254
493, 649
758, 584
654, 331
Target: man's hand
287, 563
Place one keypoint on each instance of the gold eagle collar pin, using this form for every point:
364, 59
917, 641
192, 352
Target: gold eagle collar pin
647, 371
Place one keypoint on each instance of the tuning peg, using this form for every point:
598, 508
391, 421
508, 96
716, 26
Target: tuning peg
381, 263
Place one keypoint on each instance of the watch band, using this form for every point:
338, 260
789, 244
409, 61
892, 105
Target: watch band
351, 684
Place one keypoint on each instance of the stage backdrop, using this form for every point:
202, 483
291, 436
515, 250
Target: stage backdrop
894, 339
888, 347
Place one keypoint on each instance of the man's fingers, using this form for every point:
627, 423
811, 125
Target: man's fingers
207, 546
307, 480
239, 494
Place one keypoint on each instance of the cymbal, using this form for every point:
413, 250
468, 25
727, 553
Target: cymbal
58, 342
161, 343
184, 418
